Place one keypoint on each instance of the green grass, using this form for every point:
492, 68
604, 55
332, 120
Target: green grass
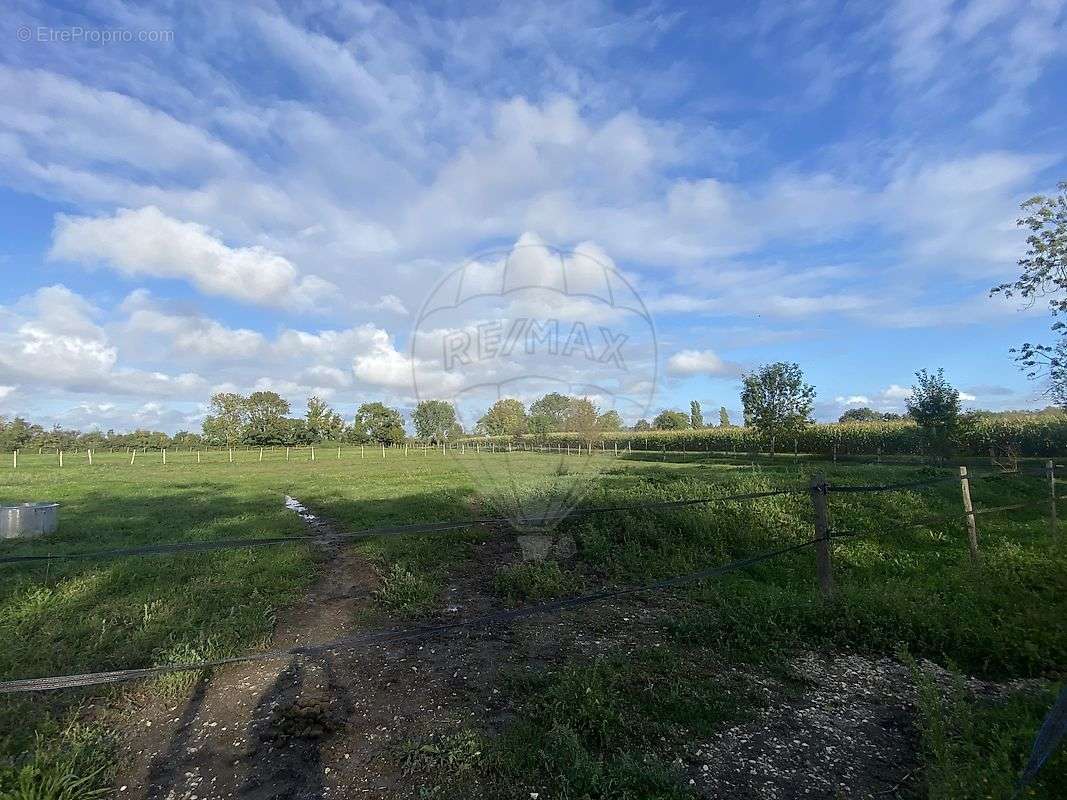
535, 581
974, 749
583, 727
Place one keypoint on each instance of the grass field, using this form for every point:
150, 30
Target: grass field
581, 728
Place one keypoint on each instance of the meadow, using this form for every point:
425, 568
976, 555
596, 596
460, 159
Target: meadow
600, 725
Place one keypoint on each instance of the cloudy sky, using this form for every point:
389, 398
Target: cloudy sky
255, 195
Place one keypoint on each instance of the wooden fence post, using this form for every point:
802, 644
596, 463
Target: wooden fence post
133, 455
312, 452
823, 567
1050, 471
14, 459
61, 458
197, 456
261, 454
361, 453
89, 453
968, 512
383, 449
338, 453
164, 456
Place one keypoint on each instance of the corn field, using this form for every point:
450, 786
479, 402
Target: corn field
1037, 436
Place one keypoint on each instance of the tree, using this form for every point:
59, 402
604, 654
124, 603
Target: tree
1044, 274
724, 417
505, 417
670, 421
377, 422
265, 413
434, 420
323, 424
696, 416
642, 425
552, 411
225, 422
776, 400
609, 421
935, 405
861, 415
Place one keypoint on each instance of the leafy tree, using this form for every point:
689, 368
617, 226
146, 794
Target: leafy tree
696, 416
15, 435
776, 400
323, 423
540, 425
434, 420
724, 417
609, 421
582, 415
505, 417
225, 422
552, 409
671, 421
935, 405
377, 422
642, 425
265, 414
861, 415
1044, 275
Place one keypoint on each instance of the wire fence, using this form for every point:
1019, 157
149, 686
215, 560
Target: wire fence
819, 491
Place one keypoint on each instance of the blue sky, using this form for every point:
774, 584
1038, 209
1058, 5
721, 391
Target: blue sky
257, 195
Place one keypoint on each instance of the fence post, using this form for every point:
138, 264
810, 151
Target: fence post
61, 458
164, 456
338, 453
823, 566
383, 449
14, 459
1050, 471
197, 456
133, 455
968, 512
361, 453
312, 452
261, 454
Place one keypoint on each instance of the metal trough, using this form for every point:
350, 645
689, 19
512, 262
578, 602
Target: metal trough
27, 520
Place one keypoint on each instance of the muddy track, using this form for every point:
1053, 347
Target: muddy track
328, 725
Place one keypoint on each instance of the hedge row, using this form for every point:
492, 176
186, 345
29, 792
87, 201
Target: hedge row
1039, 436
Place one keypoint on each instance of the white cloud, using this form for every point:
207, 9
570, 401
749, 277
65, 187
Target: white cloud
146, 242
853, 400
50, 339
701, 362
896, 392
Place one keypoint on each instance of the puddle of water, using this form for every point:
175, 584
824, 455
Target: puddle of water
297, 507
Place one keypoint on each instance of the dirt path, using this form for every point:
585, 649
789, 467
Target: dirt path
324, 726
